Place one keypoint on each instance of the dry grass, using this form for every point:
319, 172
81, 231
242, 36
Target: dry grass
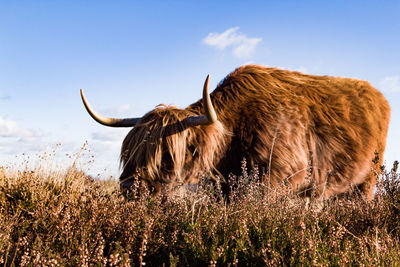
67, 218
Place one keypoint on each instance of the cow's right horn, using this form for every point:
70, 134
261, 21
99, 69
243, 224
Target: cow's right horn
128, 122
210, 116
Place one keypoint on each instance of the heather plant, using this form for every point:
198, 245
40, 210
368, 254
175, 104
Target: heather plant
67, 218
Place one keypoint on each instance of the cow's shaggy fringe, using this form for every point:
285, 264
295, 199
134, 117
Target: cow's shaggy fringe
66, 218
162, 145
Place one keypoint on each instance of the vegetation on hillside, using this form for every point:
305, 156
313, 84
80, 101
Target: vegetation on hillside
52, 218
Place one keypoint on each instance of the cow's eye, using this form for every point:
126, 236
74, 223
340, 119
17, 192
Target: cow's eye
166, 161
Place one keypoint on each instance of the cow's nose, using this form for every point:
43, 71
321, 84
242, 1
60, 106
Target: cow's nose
126, 185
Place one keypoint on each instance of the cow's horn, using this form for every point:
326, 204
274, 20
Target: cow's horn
128, 122
210, 116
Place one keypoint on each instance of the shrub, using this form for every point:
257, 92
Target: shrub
68, 218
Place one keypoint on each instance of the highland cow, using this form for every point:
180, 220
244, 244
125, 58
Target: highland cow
323, 135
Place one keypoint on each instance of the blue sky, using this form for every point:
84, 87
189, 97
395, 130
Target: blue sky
130, 56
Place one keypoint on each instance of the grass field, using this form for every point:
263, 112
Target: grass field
64, 217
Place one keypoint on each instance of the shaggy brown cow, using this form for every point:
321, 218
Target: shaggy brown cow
320, 133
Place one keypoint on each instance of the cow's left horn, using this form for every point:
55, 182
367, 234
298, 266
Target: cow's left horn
210, 115
128, 122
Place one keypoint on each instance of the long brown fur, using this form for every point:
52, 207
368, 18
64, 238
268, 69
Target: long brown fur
162, 149
320, 133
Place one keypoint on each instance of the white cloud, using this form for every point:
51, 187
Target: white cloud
222, 40
16, 140
10, 128
391, 84
21, 147
243, 47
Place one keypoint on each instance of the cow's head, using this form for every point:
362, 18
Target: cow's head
168, 145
